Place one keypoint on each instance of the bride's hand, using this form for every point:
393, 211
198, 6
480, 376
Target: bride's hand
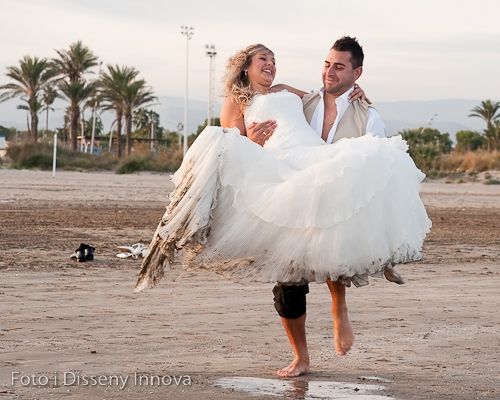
358, 94
261, 132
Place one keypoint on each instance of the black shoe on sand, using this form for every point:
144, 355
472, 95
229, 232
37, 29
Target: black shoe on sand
84, 253
89, 252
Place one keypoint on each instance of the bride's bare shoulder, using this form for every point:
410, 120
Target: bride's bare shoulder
229, 106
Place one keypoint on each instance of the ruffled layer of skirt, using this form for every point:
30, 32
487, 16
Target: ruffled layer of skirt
306, 214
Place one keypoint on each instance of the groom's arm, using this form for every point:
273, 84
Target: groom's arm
280, 87
356, 94
375, 125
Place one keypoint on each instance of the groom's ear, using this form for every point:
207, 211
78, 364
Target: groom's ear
357, 72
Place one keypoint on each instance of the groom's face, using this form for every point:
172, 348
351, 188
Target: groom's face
338, 74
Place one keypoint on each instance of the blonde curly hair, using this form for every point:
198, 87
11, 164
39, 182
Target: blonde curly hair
236, 83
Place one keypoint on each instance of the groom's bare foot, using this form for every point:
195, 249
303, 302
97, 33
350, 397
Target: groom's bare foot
296, 368
343, 336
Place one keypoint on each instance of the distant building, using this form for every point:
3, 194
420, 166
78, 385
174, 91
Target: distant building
3, 147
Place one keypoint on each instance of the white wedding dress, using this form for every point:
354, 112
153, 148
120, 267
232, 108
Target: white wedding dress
295, 210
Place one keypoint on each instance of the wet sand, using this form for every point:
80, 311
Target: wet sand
436, 337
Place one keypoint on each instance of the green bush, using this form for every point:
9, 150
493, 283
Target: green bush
30, 155
426, 145
39, 155
164, 161
470, 141
134, 164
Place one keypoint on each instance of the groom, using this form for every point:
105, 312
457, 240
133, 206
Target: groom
333, 117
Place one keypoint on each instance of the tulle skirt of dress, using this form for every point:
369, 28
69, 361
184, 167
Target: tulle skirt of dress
304, 214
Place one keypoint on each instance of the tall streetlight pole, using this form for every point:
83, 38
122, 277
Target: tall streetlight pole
152, 122
210, 53
94, 110
180, 127
187, 31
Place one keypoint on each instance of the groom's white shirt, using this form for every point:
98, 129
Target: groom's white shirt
375, 125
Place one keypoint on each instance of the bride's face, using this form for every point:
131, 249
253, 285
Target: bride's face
262, 69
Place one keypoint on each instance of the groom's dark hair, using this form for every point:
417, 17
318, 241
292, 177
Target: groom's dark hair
350, 44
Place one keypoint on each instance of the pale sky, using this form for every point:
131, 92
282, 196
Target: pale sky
414, 50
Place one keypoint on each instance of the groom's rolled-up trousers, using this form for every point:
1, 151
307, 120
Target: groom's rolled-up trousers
290, 300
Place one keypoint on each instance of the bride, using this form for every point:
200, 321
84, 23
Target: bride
288, 208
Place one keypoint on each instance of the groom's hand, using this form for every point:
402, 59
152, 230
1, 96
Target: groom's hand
358, 94
260, 132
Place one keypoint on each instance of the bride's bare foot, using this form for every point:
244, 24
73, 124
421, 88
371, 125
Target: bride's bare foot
343, 336
296, 368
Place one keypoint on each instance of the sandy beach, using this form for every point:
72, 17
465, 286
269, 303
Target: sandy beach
436, 337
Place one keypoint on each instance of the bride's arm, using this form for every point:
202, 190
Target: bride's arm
356, 94
231, 116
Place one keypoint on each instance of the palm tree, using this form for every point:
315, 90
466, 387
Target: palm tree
30, 77
496, 133
37, 107
76, 93
112, 85
49, 95
71, 65
122, 92
140, 119
489, 111
136, 94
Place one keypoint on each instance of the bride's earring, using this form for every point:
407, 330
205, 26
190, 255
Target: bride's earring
246, 72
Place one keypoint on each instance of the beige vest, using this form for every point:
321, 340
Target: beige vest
353, 122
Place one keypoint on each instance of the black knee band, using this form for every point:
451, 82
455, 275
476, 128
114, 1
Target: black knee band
290, 300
